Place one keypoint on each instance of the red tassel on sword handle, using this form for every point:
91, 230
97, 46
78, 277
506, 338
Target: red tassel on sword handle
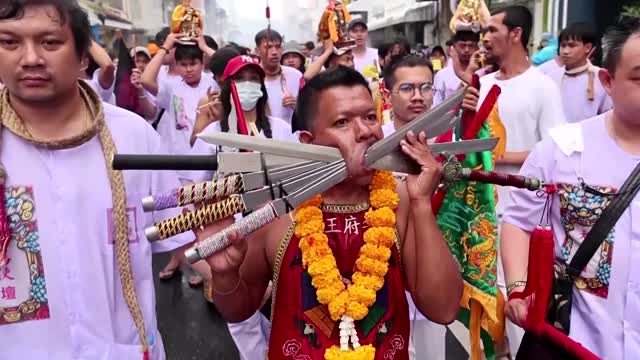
539, 287
540, 269
539, 276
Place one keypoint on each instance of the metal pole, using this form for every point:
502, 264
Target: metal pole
565, 12
556, 8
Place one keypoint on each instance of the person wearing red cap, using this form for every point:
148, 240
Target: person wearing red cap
244, 106
244, 101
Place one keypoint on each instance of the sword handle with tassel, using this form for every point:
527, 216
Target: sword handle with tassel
193, 219
518, 181
453, 171
243, 227
195, 193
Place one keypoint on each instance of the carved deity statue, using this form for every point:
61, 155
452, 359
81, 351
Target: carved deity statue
334, 24
186, 20
471, 15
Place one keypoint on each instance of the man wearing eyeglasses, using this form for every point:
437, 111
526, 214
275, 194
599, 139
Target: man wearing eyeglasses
446, 82
410, 91
409, 83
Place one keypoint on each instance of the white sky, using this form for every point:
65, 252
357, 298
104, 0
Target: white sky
255, 9
253, 14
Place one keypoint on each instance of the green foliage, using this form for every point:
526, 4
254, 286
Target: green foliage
631, 10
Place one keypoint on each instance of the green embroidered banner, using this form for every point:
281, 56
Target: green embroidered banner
468, 222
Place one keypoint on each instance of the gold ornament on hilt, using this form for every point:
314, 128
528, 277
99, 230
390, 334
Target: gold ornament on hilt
186, 20
333, 25
471, 15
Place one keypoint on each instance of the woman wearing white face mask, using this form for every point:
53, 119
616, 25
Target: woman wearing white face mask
244, 111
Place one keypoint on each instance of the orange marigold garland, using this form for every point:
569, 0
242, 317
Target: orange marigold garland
350, 303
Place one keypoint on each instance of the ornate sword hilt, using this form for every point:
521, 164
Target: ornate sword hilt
243, 227
195, 193
453, 171
193, 219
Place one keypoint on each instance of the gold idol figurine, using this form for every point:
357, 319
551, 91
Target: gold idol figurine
471, 15
333, 25
186, 20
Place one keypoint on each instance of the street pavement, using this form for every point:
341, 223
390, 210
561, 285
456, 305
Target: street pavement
192, 330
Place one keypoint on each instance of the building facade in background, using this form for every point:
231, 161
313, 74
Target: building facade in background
414, 19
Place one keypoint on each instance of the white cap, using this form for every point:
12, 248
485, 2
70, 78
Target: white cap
140, 49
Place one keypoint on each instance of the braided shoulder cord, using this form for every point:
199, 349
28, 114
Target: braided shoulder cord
121, 234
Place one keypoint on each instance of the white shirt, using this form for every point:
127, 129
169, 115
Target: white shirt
180, 102
575, 99
549, 67
446, 83
388, 129
106, 95
370, 57
164, 76
529, 105
165, 79
59, 204
280, 130
286, 84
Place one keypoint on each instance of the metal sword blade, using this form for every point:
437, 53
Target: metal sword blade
433, 123
282, 206
256, 198
275, 147
289, 151
240, 162
394, 161
465, 146
265, 215
258, 179
397, 161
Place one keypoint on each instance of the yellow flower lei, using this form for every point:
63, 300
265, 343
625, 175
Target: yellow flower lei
352, 302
